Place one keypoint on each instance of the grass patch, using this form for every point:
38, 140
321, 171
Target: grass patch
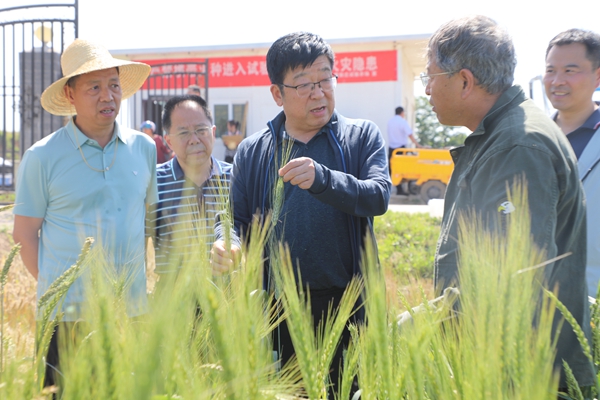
7, 197
407, 243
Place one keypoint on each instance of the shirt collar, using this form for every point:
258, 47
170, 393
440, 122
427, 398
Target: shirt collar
78, 137
178, 173
324, 129
593, 121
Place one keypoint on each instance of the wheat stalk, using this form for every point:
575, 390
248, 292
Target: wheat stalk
3, 276
573, 322
278, 193
49, 301
66, 276
7, 207
572, 386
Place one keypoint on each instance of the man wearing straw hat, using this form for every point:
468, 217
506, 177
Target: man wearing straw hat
90, 178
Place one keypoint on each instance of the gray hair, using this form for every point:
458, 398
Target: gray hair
476, 43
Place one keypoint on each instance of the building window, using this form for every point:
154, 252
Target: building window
225, 112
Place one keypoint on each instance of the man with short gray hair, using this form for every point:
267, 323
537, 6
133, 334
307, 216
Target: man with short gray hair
469, 79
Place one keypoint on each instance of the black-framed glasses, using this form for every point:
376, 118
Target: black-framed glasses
326, 85
425, 78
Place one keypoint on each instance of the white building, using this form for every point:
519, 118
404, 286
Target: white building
375, 76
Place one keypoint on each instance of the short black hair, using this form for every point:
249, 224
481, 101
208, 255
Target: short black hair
299, 49
399, 110
174, 101
589, 39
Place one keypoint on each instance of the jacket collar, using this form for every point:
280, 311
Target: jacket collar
510, 96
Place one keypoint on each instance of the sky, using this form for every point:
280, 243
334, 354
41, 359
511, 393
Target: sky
131, 24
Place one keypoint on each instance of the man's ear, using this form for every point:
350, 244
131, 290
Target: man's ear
168, 140
68, 93
597, 77
277, 95
468, 82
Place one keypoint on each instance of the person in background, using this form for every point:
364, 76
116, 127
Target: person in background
194, 89
572, 75
233, 128
399, 134
163, 153
469, 78
91, 178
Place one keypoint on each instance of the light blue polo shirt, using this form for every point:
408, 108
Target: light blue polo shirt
54, 183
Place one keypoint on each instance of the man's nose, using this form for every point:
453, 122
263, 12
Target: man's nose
558, 78
316, 91
106, 94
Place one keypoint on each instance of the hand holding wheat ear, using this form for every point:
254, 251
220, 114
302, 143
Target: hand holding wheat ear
299, 171
222, 259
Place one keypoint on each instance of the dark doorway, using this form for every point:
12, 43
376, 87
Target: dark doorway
165, 81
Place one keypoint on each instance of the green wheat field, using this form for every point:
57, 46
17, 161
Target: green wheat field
487, 351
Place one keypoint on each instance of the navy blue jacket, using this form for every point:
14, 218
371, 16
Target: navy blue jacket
360, 185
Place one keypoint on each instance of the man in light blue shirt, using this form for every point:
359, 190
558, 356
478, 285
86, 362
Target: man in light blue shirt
90, 178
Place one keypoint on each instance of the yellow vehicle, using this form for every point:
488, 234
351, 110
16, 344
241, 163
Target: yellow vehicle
426, 171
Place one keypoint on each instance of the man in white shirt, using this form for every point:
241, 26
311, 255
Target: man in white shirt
399, 133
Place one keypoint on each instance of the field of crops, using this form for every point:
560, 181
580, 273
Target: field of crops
490, 351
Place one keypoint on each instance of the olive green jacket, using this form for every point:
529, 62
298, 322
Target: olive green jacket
516, 139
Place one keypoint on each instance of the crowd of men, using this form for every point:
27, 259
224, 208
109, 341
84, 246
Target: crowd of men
95, 177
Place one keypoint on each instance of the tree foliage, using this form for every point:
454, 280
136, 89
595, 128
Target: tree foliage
429, 130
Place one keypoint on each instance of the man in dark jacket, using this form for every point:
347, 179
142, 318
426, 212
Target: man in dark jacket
335, 182
470, 67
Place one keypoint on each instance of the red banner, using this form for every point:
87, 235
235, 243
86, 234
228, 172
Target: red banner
368, 66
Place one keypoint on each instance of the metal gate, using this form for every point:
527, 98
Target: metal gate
32, 38
164, 82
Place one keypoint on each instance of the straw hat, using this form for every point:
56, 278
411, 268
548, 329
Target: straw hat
81, 57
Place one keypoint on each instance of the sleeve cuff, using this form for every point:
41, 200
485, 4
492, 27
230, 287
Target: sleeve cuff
321, 179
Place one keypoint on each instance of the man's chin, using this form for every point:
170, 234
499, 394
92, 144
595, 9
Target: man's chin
197, 159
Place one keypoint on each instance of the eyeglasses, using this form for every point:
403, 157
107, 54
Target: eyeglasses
425, 78
200, 132
326, 85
